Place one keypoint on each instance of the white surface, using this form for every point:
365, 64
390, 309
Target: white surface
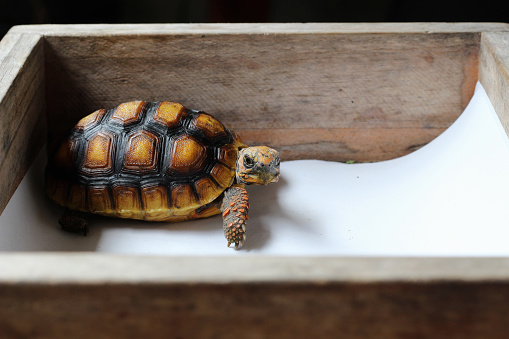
449, 198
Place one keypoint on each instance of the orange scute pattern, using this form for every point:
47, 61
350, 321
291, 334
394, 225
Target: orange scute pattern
98, 156
222, 175
155, 202
142, 152
127, 202
128, 112
99, 200
90, 120
207, 190
169, 113
228, 155
156, 161
188, 156
64, 156
77, 197
210, 126
182, 196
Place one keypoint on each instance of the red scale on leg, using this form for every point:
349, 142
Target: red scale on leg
235, 199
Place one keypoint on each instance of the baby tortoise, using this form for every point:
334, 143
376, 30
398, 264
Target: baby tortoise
156, 161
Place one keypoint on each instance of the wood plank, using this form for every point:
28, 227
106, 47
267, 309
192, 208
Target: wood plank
59, 295
22, 125
98, 269
22, 77
257, 297
494, 73
263, 81
6, 44
259, 28
434, 310
342, 144
26, 144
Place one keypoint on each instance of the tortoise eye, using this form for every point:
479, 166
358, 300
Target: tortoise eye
248, 161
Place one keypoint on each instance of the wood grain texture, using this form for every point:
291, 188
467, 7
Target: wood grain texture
259, 28
342, 144
324, 91
394, 310
494, 73
255, 297
100, 269
289, 82
22, 124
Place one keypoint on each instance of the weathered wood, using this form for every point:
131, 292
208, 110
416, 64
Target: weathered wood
494, 73
342, 144
260, 28
394, 310
98, 269
132, 296
22, 125
287, 76
290, 86
255, 297
284, 81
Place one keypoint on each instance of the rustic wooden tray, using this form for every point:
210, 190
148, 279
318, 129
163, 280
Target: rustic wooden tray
364, 92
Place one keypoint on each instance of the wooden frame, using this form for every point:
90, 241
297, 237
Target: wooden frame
307, 108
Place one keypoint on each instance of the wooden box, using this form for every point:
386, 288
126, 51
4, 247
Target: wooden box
363, 92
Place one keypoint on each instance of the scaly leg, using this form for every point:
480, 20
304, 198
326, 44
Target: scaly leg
74, 222
234, 208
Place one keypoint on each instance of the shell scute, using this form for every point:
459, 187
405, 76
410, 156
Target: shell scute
141, 152
209, 126
183, 197
57, 189
98, 156
207, 189
128, 113
155, 201
169, 113
99, 200
90, 120
127, 202
222, 175
65, 155
77, 197
227, 155
189, 156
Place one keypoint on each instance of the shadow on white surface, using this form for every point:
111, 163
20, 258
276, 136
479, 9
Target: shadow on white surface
447, 199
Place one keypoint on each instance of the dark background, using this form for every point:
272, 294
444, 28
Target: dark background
14, 12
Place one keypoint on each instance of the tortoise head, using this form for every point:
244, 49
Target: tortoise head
257, 166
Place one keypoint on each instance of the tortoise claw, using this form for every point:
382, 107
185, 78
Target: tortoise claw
239, 245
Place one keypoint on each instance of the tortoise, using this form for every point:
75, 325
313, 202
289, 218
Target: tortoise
156, 161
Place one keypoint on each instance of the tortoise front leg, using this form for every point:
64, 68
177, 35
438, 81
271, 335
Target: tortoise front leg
234, 208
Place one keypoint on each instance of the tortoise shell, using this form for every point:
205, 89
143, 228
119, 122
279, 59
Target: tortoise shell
155, 161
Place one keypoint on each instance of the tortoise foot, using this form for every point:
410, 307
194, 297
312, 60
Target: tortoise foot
74, 222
